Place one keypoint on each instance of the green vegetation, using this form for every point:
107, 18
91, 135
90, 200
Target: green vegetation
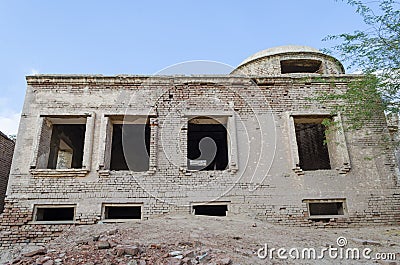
376, 52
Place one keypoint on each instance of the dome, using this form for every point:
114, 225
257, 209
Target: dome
289, 59
279, 50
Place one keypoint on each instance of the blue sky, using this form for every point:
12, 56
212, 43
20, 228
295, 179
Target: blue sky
143, 37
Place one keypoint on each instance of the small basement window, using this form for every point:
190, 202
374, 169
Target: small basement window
324, 209
207, 144
122, 212
311, 143
300, 66
62, 213
210, 210
130, 147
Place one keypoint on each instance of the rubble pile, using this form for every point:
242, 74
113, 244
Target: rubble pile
112, 248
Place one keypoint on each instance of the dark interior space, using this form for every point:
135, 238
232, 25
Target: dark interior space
211, 210
214, 161
122, 212
326, 208
55, 214
67, 138
313, 151
130, 147
300, 66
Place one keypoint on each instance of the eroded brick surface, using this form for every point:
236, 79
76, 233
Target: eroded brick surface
6, 154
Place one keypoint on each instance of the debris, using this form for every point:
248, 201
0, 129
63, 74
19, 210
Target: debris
173, 261
187, 261
199, 258
188, 253
133, 251
42, 260
175, 253
367, 242
112, 232
103, 245
40, 251
16, 261
49, 262
224, 261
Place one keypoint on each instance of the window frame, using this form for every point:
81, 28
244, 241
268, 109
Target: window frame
286, 64
214, 203
333, 200
105, 142
120, 204
232, 145
339, 156
49, 206
63, 118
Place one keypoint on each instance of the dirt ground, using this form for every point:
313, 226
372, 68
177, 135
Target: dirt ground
187, 239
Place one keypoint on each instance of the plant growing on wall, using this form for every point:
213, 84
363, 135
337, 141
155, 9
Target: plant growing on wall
375, 51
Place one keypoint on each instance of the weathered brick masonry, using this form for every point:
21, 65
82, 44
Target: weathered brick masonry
6, 155
268, 173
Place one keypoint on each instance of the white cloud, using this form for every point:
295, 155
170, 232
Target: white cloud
9, 123
34, 72
357, 72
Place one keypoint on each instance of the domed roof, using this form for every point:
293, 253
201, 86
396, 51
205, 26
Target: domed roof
279, 50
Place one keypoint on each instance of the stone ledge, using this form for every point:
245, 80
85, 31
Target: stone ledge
58, 172
107, 172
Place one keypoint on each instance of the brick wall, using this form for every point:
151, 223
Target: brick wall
6, 155
260, 181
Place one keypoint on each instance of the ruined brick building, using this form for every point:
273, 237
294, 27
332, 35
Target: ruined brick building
115, 148
6, 155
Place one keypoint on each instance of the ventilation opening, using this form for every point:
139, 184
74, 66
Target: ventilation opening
122, 212
55, 213
211, 210
66, 146
311, 144
325, 208
130, 147
300, 66
207, 145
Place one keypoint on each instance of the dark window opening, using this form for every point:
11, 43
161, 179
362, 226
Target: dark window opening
312, 147
326, 208
300, 66
211, 210
130, 147
66, 146
55, 214
207, 146
122, 212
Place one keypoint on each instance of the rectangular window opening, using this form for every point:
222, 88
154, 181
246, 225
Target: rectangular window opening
311, 143
325, 209
207, 144
130, 149
55, 213
211, 210
300, 66
66, 146
122, 212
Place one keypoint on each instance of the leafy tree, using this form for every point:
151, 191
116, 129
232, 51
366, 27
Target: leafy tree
376, 52
13, 137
